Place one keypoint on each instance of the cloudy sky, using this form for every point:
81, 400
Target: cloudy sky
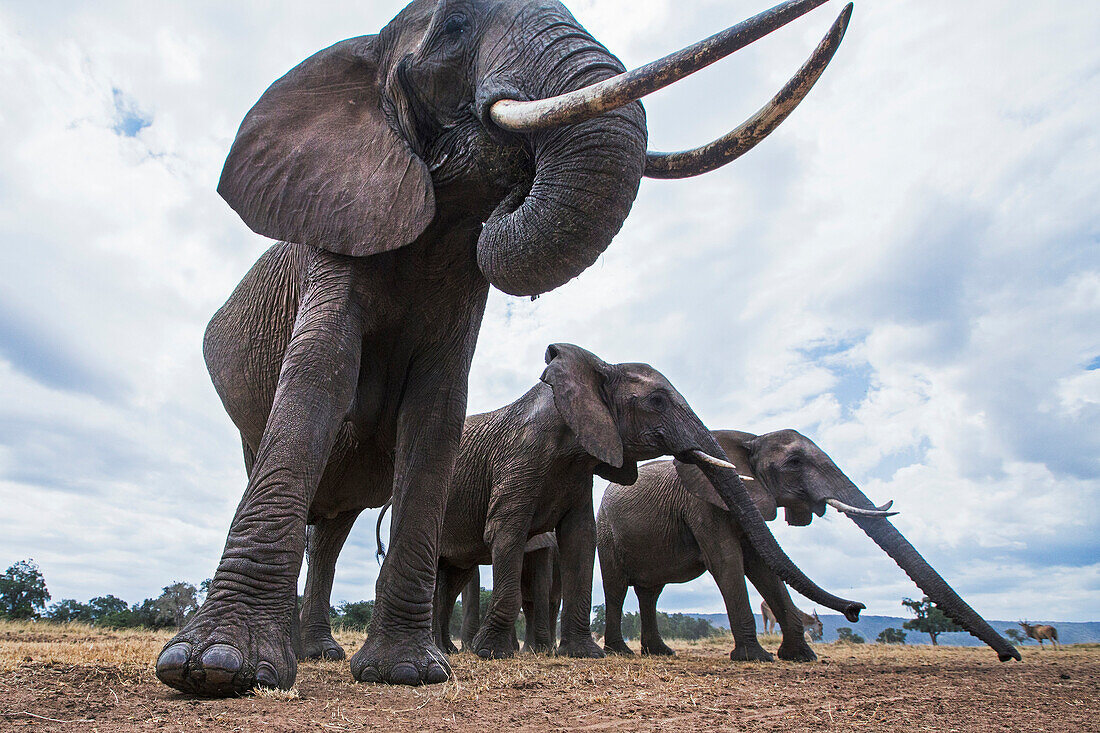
907, 271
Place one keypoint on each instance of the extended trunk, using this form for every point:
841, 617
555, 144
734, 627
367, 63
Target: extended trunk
927, 579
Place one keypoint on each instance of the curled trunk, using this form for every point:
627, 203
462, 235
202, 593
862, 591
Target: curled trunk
585, 176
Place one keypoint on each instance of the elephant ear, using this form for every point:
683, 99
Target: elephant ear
315, 161
736, 449
576, 377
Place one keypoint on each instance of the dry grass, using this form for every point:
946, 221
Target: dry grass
97, 679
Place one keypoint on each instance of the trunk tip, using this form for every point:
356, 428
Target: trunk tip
852, 611
1006, 656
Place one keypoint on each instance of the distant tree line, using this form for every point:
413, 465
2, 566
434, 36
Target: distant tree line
670, 626
23, 596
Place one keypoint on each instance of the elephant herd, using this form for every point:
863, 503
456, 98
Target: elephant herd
469, 144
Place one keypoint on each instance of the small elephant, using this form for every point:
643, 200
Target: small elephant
469, 143
668, 528
540, 585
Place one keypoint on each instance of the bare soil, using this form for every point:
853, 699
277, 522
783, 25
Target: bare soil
79, 678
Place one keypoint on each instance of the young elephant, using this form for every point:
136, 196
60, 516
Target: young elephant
667, 528
540, 585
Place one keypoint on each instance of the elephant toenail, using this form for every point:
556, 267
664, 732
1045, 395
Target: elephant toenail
172, 664
484, 653
221, 662
436, 674
333, 653
266, 676
404, 674
369, 675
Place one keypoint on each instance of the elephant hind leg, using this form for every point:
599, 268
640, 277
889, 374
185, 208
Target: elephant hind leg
323, 544
614, 593
652, 643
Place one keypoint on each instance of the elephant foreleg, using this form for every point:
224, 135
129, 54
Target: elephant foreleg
652, 643
495, 638
794, 647
323, 544
614, 593
724, 561
400, 648
242, 636
577, 547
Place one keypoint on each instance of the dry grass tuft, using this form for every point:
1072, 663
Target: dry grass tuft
274, 693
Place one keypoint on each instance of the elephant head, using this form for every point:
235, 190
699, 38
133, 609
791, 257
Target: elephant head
625, 413
791, 471
500, 114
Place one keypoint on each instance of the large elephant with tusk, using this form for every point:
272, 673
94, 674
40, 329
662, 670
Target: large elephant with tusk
693, 532
468, 144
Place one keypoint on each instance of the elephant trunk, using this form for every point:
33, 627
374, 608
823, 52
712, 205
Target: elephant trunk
886, 536
585, 179
744, 511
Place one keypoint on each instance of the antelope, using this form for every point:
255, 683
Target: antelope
813, 625
1038, 632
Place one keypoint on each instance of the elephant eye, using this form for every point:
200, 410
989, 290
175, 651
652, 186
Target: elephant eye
455, 24
655, 402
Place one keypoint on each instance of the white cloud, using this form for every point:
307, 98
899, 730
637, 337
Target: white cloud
907, 271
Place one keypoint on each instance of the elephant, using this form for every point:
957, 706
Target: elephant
540, 589
812, 624
1039, 632
527, 468
468, 144
540, 585
668, 528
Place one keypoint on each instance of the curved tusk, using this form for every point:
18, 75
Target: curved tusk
744, 138
622, 89
848, 509
707, 458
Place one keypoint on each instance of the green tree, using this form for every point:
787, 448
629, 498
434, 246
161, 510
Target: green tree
929, 618
891, 636
1017, 637
68, 610
845, 635
177, 603
353, 616
599, 619
23, 593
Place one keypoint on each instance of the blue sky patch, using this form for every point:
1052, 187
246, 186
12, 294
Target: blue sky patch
129, 120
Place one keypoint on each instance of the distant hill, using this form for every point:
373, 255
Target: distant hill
869, 627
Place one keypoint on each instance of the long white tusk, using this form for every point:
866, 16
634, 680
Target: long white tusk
604, 96
707, 458
744, 138
848, 509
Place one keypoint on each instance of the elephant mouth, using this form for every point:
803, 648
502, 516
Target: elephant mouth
516, 115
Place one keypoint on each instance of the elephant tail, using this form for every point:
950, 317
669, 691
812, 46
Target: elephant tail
380, 552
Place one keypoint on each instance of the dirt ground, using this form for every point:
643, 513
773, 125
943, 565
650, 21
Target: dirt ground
83, 679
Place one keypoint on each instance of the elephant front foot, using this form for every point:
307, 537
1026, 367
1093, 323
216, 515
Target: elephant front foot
799, 651
229, 649
537, 647
583, 648
657, 649
402, 659
494, 644
321, 645
617, 647
750, 653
